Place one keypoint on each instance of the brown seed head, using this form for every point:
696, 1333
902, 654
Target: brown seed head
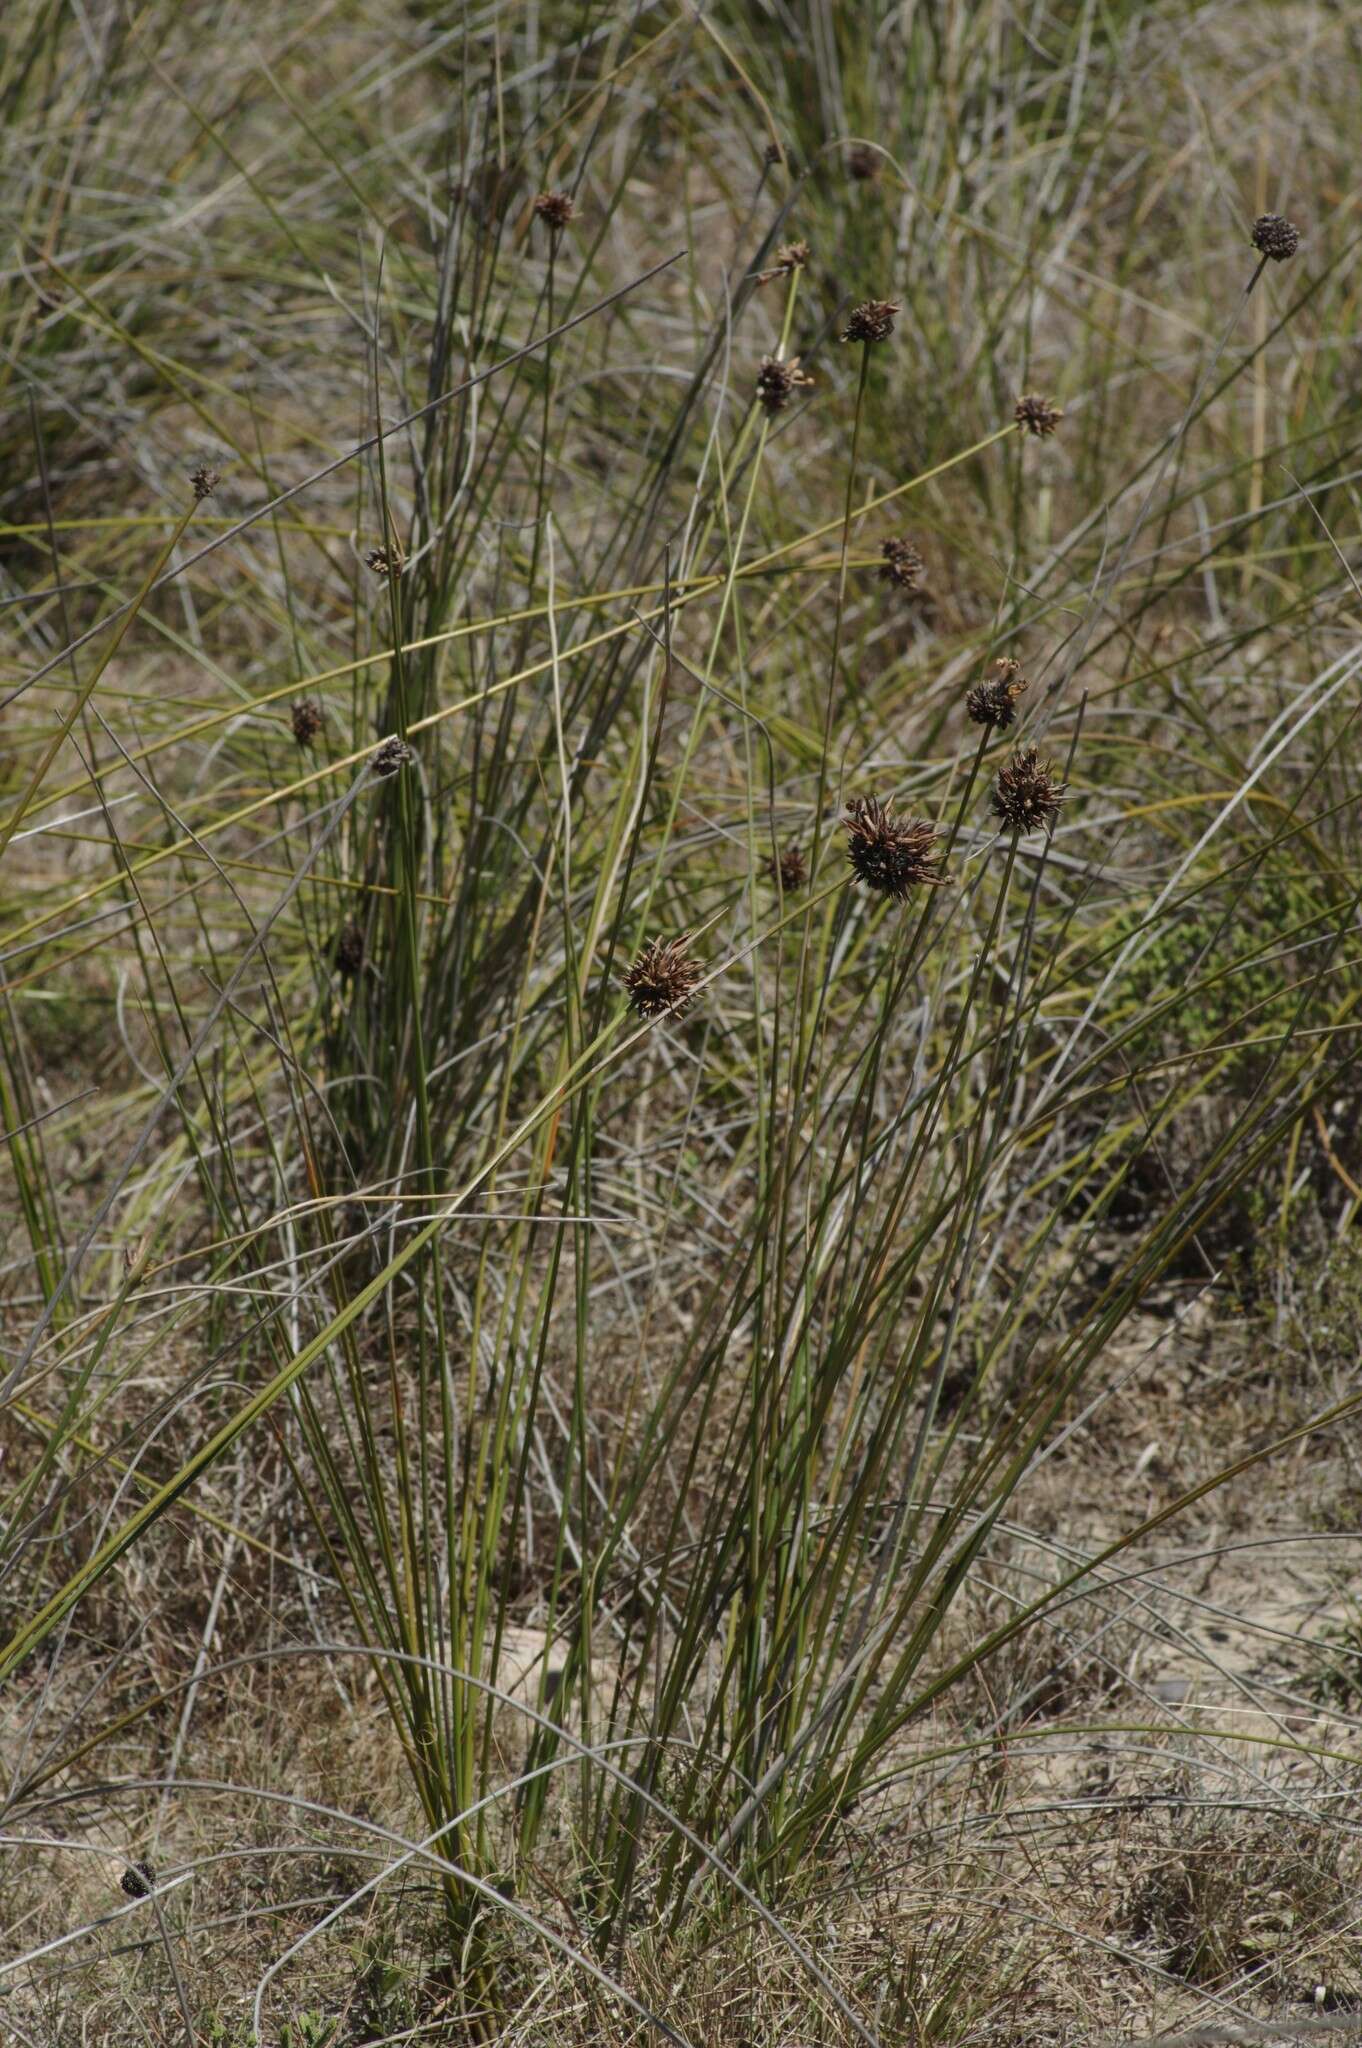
1028, 792
1037, 415
994, 703
777, 381
203, 482
790, 256
789, 869
391, 756
348, 951
772, 155
1275, 238
138, 1880
902, 564
385, 561
873, 320
662, 979
307, 720
891, 855
864, 163
555, 209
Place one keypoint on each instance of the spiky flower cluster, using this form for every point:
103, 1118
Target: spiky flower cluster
385, 562
391, 756
864, 163
1028, 792
203, 482
892, 856
555, 209
662, 978
789, 869
1037, 415
902, 565
873, 320
348, 952
994, 703
1275, 238
790, 256
307, 720
138, 1880
777, 381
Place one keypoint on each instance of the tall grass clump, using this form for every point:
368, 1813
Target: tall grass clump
677, 837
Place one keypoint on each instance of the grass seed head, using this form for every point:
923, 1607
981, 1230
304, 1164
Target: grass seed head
348, 951
1028, 792
307, 720
902, 565
864, 163
872, 320
555, 209
777, 381
138, 1880
391, 756
385, 561
1037, 415
994, 702
1275, 238
789, 868
662, 978
790, 256
890, 855
204, 482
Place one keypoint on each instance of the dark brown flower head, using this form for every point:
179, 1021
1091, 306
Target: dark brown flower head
138, 1880
864, 163
348, 951
902, 564
307, 720
890, 855
994, 703
777, 382
1275, 237
204, 482
662, 978
1028, 792
1037, 415
790, 256
871, 321
772, 155
555, 209
392, 755
789, 869
386, 561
